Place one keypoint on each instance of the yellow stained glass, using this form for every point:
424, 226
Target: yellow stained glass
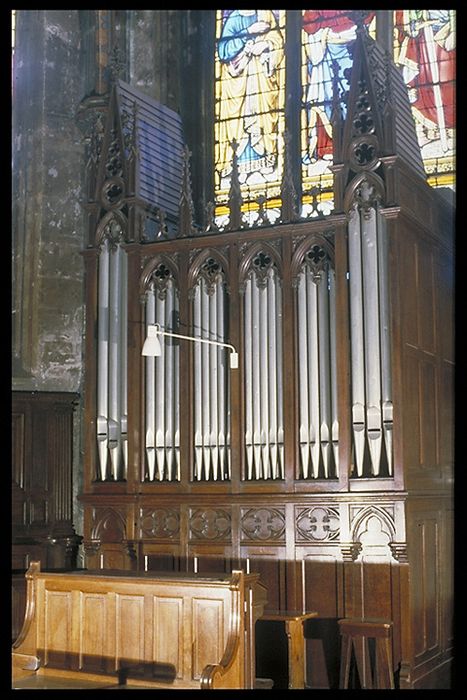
249, 112
327, 37
425, 50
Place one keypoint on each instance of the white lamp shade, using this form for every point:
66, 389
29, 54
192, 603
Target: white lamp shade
152, 346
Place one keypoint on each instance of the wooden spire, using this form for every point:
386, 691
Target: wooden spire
235, 195
288, 192
185, 225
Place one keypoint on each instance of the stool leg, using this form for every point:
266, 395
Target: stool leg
362, 657
346, 652
296, 645
384, 667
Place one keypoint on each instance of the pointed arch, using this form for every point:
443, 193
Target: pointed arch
260, 256
114, 235
375, 190
209, 259
316, 239
158, 269
358, 526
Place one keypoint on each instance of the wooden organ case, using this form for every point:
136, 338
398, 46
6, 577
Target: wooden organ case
324, 462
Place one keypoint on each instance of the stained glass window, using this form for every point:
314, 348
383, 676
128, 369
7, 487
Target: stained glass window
327, 38
13, 28
424, 48
250, 79
255, 57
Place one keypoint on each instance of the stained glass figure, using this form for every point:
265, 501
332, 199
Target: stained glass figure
327, 39
425, 50
249, 101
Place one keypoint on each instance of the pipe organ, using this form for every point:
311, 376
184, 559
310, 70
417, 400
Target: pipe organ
162, 379
324, 461
264, 424
372, 409
317, 389
112, 411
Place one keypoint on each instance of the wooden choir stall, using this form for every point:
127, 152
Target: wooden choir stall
102, 629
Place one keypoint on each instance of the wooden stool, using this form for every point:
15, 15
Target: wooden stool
295, 642
356, 632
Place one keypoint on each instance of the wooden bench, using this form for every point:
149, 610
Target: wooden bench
123, 629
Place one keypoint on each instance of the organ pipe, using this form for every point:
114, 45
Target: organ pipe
112, 362
150, 393
357, 340
211, 435
162, 436
371, 334
317, 390
102, 359
263, 378
372, 410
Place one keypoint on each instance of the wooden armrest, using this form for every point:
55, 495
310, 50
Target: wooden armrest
23, 665
217, 675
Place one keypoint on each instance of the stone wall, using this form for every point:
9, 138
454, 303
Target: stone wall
56, 65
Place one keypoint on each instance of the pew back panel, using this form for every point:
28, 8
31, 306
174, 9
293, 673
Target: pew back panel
163, 629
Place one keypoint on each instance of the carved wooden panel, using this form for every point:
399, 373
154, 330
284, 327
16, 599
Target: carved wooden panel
261, 524
208, 625
210, 524
129, 628
159, 523
169, 616
426, 543
42, 444
317, 524
57, 634
94, 614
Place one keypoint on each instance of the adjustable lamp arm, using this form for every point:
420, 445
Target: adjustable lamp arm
154, 330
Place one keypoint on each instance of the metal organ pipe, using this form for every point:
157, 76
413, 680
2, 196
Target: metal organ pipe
162, 383
222, 375
357, 340
150, 392
198, 397
210, 413
102, 359
114, 360
272, 365
313, 370
333, 360
205, 385
324, 378
317, 371
248, 364
252, 335
169, 396
386, 376
372, 344
264, 372
263, 378
369, 311
213, 365
160, 397
304, 382
124, 363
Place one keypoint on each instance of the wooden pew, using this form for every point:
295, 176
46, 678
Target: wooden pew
105, 628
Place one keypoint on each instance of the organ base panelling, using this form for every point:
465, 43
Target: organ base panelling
342, 556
